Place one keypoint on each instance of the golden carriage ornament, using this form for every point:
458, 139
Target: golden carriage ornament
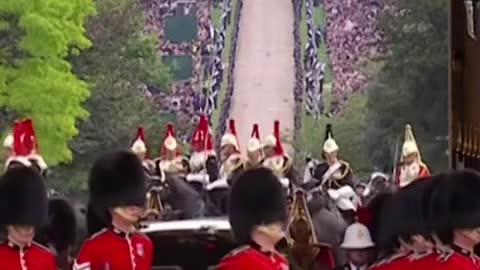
302, 246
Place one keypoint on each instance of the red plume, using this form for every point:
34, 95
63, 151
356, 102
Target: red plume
233, 130
255, 132
18, 134
276, 133
198, 138
140, 134
29, 139
231, 127
170, 130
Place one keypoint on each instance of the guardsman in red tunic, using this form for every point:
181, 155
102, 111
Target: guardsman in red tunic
455, 205
411, 166
117, 201
255, 155
23, 204
203, 160
171, 160
257, 215
139, 148
277, 160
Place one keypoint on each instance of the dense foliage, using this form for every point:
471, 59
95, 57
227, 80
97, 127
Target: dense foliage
121, 62
36, 80
412, 84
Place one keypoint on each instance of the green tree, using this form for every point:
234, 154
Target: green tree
36, 80
121, 62
412, 83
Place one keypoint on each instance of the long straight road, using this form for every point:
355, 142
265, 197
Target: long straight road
264, 71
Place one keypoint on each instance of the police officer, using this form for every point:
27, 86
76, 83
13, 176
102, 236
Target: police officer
257, 215
117, 200
23, 204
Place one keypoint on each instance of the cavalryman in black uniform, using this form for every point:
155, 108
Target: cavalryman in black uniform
332, 172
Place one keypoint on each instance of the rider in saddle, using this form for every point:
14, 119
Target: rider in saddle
171, 161
232, 162
276, 159
411, 166
332, 172
203, 159
139, 148
255, 155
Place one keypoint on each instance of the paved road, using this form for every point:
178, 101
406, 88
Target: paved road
264, 71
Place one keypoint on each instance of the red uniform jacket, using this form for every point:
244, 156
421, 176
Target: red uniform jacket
395, 262
34, 257
423, 172
250, 258
434, 261
114, 250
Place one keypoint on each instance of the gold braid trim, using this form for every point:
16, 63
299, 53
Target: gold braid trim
346, 171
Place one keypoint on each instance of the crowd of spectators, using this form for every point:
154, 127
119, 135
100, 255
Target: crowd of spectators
351, 35
199, 93
180, 98
314, 68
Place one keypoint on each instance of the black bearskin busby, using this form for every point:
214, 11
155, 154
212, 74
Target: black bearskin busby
23, 198
456, 204
403, 216
116, 179
256, 198
61, 229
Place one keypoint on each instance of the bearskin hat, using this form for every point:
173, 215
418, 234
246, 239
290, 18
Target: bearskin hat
117, 179
256, 198
62, 225
455, 203
23, 198
95, 223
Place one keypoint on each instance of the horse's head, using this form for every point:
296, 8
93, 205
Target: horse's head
377, 184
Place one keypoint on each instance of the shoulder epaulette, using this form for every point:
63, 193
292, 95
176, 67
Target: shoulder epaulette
102, 231
43, 248
236, 251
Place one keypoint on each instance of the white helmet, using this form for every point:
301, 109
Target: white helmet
330, 146
8, 142
357, 236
